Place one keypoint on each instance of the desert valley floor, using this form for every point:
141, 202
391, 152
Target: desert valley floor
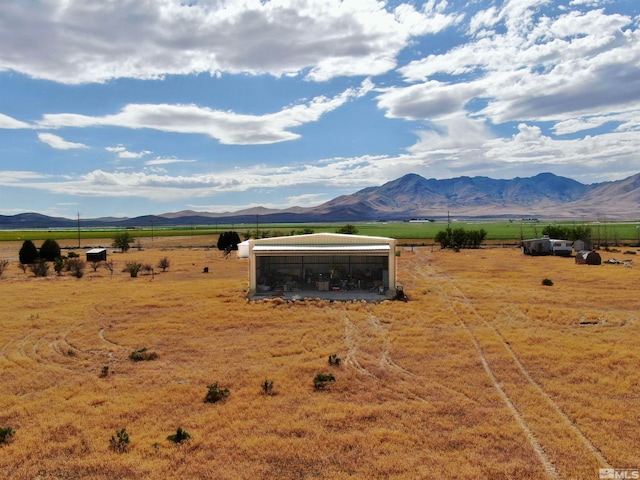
484, 373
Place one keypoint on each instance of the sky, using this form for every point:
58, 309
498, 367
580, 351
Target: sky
137, 107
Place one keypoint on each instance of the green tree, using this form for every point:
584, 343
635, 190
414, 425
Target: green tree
580, 232
556, 231
122, 240
49, 250
228, 241
28, 253
443, 237
348, 229
460, 238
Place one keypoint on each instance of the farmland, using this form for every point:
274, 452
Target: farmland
483, 373
603, 233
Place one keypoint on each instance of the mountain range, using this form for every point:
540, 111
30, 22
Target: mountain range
545, 196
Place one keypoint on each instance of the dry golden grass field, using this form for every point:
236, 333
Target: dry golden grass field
484, 373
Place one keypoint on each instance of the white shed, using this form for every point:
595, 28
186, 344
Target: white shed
323, 262
243, 249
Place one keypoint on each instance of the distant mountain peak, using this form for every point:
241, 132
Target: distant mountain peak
544, 195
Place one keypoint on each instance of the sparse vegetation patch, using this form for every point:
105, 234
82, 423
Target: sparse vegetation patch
142, 355
216, 394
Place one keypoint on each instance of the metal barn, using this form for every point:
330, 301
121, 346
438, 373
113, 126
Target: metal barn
325, 265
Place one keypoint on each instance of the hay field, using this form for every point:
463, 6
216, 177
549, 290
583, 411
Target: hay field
484, 373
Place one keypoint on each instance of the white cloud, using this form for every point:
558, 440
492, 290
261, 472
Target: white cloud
578, 63
78, 42
228, 127
54, 141
9, 123
166, 161
122, 152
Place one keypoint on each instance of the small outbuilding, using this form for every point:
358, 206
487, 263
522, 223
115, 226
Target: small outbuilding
243, 249
547, 246
332, 265
97, 255
588, 257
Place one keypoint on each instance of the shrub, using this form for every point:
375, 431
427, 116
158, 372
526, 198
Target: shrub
49, 250
119, 442
28, 253
72, 255
132, 268
104, 372
110, 265
58, 265
6, 433
627, 252
180, 436
95, 264
216, 394
40, 268
76, 267
142, 354
321, 380
348, 229
164, 263
334, 360
547, 282
267, 387
4, 263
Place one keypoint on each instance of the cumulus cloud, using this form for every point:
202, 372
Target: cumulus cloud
227, 127
80, 42
54, 141
539, 69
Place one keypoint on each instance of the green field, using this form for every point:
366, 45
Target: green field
607, 233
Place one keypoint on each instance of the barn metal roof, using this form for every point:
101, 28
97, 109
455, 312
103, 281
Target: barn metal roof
321, 248
322, 243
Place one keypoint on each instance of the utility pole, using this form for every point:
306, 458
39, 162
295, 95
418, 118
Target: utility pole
78, 229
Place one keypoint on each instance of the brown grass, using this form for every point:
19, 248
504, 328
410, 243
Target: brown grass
484, 373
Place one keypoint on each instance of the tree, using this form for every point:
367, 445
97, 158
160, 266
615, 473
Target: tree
348, 229
49, 250
228, 241
122, 240
460, 238
28, 253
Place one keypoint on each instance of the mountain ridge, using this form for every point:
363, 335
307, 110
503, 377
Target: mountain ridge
411, 196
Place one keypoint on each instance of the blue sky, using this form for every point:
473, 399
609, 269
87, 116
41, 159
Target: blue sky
127, 108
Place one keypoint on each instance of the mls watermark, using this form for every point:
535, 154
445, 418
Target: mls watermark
621, 473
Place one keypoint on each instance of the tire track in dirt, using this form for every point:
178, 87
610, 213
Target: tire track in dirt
351, 359
561, 413
549, 468
437, 281
458, 297
386, 362
403, 380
